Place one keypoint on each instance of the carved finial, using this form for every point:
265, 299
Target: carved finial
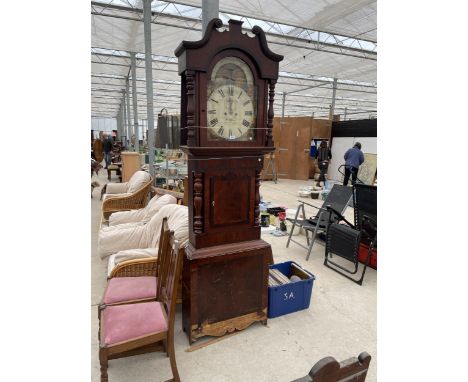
235, 25
216, 23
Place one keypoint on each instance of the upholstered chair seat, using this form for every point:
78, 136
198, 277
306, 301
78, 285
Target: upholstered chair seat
128, 322
127, 289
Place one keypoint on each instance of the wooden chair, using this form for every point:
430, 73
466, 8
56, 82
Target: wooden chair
124, 202
329, 369
117, 168
131, 329
132, 287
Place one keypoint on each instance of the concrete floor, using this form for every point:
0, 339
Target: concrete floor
341, 321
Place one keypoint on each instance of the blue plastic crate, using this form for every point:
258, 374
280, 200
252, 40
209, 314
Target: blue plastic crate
291, 297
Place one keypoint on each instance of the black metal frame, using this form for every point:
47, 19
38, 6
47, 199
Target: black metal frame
372, 245
362, 208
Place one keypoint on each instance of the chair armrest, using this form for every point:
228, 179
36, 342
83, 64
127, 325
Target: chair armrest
340, 216
369, 227
116, 188
136, 268
311, 205
370, 219
125, 202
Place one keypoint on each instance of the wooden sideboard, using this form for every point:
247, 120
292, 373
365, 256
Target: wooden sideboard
130, 164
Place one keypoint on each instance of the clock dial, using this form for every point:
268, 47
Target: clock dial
231, 101
230, 112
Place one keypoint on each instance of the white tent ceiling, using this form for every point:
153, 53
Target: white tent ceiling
320, 40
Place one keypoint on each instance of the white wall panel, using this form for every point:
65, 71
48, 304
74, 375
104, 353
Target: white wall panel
339, 147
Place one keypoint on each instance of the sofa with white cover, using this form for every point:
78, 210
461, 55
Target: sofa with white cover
139, 240
142, 215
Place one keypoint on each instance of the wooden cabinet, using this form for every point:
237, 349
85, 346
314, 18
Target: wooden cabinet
292, 137
130, 164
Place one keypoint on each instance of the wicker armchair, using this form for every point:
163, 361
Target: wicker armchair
125, 202
136, 267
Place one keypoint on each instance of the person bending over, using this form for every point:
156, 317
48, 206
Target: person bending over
354, 158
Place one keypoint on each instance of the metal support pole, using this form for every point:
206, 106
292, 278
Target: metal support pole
282, 107
332, 106
118, 119
345, 111
122, 112
120, 125
210, 10
135, 105
149, 84
124, 127
129, 122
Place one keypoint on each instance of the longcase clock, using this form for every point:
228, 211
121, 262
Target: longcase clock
227, 93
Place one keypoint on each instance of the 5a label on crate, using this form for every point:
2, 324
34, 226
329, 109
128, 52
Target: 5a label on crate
288, 296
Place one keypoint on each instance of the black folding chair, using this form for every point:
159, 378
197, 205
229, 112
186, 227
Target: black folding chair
365, 204
344, 240
338, 198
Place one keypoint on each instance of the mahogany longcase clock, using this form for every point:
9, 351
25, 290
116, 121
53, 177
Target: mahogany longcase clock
227, 93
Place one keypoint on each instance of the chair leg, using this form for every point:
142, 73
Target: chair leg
290, 234
294, 225
314, 234
104, 364
172, 358
99, 320
164, 344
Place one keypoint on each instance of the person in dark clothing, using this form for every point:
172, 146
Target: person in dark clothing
107, 146
323, 156
354, 158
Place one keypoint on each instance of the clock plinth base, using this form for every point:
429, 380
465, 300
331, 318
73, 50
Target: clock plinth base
225, 288
221, 328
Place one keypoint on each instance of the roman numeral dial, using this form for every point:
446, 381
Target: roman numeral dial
231, 112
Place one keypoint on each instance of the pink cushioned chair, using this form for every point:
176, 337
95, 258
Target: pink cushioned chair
126, 290
131, 329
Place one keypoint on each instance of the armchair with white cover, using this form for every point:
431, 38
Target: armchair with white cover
136, 244
126, 196
142, 215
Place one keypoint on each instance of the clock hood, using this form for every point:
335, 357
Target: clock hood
215, 41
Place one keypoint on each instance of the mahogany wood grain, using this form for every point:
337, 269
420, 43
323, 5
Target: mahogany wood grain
225, 272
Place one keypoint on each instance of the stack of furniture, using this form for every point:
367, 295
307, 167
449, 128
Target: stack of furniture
137, 325
346, 240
